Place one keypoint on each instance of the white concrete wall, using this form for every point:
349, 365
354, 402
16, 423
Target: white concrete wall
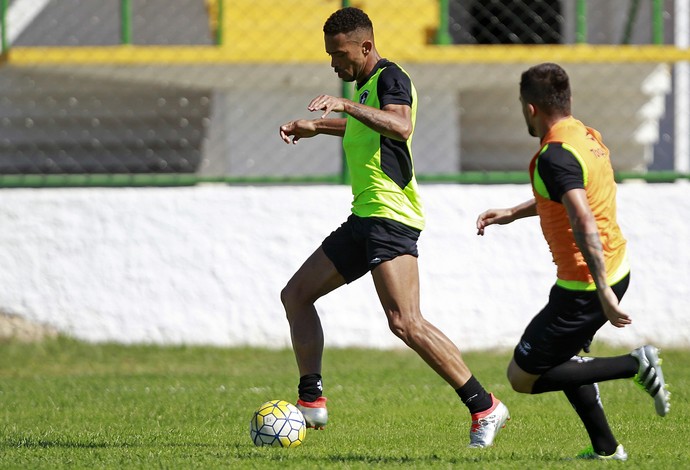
205, 265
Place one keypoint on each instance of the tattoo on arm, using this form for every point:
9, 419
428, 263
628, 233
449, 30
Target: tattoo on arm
590, 246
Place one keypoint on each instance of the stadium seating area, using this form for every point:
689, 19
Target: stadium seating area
212, 116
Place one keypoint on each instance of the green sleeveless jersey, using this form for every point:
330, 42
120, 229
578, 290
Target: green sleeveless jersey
381, 169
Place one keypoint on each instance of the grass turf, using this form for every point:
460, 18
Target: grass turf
67, 404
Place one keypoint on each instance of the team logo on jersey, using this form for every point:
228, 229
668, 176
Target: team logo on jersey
363, 97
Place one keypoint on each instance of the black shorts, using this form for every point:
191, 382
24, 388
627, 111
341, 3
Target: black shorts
362, 243
563, 328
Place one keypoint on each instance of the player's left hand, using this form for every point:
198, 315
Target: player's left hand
327, 104
612, 310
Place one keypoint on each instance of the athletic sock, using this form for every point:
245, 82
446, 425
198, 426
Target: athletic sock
473, 395
587, 404
585, 370
310, 387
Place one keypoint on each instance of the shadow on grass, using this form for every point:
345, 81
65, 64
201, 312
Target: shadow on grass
37, 443
354, 458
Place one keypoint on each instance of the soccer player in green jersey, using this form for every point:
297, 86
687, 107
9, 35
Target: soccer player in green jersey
380, 236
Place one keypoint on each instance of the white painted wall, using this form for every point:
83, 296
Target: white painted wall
205, 265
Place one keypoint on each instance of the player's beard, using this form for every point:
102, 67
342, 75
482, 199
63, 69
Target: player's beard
344, 76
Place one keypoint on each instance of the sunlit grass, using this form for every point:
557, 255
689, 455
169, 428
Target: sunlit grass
66, 404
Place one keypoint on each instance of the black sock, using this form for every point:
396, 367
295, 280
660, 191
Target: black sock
585, 400
585, 370
474, 396
310, 387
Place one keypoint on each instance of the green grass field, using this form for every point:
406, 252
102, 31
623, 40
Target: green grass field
66, 404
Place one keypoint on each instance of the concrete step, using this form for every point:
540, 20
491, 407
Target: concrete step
78, 158
130, 131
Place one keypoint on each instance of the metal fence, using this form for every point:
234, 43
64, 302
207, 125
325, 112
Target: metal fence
132, 92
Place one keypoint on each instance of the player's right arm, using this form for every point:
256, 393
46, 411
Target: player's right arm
505, 216
303, 128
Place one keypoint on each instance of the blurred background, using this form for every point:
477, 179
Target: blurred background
127, 92
114, 114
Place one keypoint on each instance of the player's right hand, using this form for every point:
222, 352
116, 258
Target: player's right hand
297, 129
493, 216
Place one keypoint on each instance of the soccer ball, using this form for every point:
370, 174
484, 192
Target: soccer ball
277, 423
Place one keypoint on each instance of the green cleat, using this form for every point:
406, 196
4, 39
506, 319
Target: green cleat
589, 453
651, 378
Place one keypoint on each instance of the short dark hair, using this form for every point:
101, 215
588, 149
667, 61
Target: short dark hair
347, 20
547, 87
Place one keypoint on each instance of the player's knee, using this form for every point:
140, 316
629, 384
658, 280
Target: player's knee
290, 298
407, 329
520, 387
285, 296
296, 299
518, 381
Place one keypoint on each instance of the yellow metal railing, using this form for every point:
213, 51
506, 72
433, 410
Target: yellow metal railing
243, 30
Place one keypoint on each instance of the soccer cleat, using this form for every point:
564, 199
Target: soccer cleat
589, 453
651, 378
315, 412
486, 424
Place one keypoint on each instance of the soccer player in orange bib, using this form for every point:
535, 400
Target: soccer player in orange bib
575, 198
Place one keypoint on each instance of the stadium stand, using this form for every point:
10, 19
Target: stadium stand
191, 107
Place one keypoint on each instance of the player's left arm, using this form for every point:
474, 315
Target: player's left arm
563, 177
588, 240
392, 120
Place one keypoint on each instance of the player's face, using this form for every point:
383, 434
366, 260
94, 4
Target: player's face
347, 55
